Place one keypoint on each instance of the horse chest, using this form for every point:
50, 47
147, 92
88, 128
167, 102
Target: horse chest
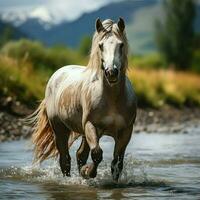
113, 121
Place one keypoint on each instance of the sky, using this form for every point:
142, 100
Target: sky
53, 11
47, 10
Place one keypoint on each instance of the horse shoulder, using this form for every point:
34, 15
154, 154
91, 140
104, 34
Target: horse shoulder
91, 99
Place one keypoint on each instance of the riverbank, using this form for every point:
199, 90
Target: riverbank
167, 120
164, 120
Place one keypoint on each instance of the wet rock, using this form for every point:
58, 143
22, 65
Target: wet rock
2, 137
11, 127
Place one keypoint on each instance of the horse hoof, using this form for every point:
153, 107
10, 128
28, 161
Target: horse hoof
88, 171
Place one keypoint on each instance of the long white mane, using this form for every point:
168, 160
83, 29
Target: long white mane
110, 28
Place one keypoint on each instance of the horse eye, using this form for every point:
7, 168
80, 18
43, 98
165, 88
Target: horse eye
101, 46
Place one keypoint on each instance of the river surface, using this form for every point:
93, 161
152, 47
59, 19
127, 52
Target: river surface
157, 166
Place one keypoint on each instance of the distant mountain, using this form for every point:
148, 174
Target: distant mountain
140, 17
9, 31
34, 29
71, 33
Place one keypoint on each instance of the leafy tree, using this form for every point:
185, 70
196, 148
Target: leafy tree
175, 34
196, 42
6, 35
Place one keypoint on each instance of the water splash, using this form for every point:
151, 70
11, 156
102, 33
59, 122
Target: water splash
134, 174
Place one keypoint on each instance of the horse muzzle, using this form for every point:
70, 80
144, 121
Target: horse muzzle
112, 75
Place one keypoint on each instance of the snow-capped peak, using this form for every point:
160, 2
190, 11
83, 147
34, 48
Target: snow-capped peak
18, 17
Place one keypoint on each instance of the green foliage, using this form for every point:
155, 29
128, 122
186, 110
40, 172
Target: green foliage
196, 42
40, 56
6, 35
153, 60
196, 61
85, 45
25, 67
175, 36
19, 81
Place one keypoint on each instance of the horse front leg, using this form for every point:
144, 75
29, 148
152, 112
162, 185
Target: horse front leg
90, 170
121, 141
82, 153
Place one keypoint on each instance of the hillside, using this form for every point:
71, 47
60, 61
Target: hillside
8, 31
71, 33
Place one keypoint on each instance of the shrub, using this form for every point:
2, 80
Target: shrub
158, 87
40, 56
19, 81
153, 60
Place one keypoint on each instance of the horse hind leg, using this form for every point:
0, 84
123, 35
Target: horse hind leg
62, 134
72, 138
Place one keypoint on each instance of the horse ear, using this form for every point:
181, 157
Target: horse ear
99, 26
121, 24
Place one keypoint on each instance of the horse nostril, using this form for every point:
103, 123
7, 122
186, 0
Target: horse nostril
111, 72
115, 72
107, 72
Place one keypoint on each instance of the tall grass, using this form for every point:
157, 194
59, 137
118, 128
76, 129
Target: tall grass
159, 87
20, 81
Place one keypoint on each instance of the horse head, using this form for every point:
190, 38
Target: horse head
111, 48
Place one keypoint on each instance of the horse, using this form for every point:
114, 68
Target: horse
89, 102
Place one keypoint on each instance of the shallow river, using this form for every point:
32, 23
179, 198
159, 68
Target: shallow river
157, 166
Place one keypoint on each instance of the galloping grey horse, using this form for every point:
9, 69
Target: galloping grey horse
89, 102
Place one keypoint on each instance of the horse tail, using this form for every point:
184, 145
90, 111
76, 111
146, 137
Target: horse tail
43, 136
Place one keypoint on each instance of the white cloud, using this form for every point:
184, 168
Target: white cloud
41, 13
47, 10
71, 9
